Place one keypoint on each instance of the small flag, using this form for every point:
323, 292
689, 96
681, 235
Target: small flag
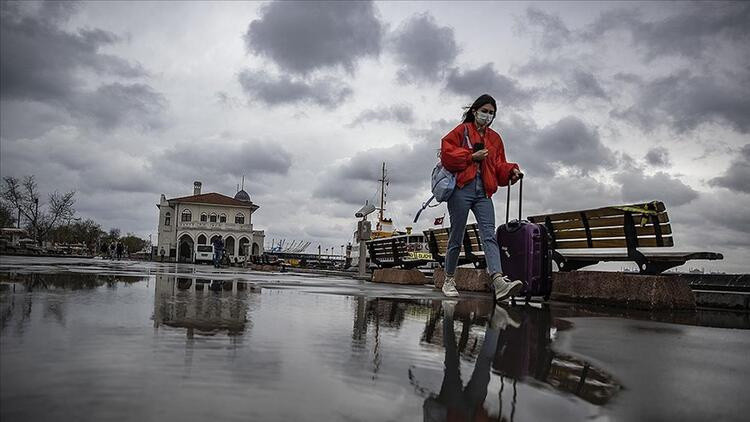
438, 221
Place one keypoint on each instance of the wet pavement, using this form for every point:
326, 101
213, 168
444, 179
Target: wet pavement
100, 340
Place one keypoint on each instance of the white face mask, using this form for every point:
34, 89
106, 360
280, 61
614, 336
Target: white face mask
484, 119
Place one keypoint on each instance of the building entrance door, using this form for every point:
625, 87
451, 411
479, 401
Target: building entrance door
185, 249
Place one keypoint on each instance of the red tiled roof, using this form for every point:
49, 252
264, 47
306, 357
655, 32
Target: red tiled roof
214, 199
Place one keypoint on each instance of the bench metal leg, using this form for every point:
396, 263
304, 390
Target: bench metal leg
574, 264
565, 264
656, 268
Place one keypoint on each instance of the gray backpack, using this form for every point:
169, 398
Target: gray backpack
443, 181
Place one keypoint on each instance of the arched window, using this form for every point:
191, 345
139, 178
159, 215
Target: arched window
167, 218
213, 217
186, 216
239, 218
204, 217
202, 239
222, 218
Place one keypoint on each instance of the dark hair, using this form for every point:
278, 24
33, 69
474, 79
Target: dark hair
479, 102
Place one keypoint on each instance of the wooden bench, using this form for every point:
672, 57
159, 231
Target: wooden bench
389, 252
582, 238
471, 247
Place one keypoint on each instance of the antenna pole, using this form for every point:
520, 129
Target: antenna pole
382, 198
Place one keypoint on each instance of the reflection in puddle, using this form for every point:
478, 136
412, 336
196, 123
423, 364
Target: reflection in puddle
516, 344
202, 305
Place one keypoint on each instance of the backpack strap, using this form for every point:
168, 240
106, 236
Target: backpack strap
424, 205
467, 141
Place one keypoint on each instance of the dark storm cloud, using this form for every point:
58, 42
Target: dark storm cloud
250, 158
572, 143
686, 101
573, 80
737, 176
553, 33
567, 143
695, 29
639, 187
565, 193
285, 90
658, 157
400, 113
305, 36
424, 49
474, 82
42, 62
71, 161
408, 165
583, 84
112, 105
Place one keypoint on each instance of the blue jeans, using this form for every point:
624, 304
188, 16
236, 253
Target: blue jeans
217, 258
472, 197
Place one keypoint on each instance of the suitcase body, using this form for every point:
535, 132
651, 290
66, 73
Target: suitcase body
525, 256
525, 253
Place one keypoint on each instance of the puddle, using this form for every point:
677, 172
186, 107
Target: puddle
188, 345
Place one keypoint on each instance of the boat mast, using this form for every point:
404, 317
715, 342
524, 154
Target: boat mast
382, 199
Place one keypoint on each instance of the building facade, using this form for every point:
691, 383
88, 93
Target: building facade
189, 221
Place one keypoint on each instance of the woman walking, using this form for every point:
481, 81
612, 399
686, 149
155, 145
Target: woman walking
475, 154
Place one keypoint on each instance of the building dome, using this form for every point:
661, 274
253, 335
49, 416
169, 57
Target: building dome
242, 196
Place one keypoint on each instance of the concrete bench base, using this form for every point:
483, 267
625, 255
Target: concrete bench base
398, 276
620, 289
467, 279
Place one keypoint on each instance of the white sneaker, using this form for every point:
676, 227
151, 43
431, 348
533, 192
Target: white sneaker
449, 287
504, 288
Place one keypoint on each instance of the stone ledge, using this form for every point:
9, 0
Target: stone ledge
467, 279
398, 276
628, 290
265, 267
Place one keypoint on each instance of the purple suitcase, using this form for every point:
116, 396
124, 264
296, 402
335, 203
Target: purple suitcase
524, 252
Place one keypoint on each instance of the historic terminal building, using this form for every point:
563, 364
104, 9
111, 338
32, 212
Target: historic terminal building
189, 221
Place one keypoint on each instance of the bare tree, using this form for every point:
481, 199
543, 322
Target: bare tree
7, 219
24, 197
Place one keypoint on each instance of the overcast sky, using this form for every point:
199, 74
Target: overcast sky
600, 104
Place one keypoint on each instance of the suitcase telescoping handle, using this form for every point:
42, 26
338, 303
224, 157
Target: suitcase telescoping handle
520, 200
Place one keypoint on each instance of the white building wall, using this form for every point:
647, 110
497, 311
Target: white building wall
168, 236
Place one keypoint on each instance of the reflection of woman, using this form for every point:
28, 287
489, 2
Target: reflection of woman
456, 403
475, 154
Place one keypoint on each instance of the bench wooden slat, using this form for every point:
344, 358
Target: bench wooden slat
596, 222
471, 245
598, 233
622, 255
647, 242
597, 212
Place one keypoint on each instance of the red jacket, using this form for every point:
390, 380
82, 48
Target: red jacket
455, 156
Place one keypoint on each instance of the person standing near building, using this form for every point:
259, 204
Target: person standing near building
218, 244
476, 155
118, 250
